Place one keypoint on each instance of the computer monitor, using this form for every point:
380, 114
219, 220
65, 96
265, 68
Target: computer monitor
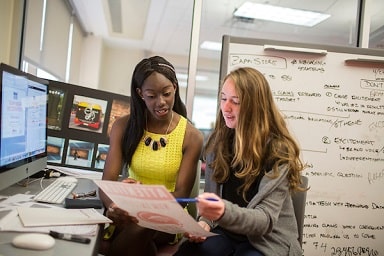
23, 124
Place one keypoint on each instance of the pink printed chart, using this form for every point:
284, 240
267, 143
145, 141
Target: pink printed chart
153, 206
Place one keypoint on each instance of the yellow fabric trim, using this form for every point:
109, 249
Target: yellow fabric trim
161, 166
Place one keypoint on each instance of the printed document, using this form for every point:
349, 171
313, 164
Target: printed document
153, 206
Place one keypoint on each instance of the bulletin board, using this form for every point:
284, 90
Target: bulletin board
79, 124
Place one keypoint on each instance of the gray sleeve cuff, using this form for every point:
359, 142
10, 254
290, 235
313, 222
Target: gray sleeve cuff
212, 224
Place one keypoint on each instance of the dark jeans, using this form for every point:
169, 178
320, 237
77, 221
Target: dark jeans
220, 245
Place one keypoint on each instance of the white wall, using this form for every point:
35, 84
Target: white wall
10, 30
110, 68
117, 66
92, 52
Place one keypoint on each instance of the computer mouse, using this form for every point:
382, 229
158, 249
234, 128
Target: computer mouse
33, 241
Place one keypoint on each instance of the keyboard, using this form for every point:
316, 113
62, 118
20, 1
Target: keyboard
57, 191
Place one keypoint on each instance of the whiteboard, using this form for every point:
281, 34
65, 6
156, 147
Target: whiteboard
333, 101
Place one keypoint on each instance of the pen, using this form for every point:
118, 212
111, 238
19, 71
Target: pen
193, 200
70, 237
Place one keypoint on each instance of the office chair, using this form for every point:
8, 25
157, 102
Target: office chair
299, 201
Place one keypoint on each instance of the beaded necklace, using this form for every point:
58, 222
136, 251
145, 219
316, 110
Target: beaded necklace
155, 145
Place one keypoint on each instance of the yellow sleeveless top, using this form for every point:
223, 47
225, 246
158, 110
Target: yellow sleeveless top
159, 167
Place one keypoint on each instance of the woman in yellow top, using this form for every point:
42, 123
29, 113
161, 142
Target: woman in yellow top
159, 146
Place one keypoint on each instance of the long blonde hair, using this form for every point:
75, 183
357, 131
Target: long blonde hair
261, 135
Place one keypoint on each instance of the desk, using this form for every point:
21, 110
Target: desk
61, 247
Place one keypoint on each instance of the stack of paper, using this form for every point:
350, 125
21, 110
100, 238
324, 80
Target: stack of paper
38, 217
43, 218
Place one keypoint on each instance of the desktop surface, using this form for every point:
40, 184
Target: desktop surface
61, 247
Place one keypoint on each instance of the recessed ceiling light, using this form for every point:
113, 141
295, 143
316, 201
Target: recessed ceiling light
251, 10
209, 45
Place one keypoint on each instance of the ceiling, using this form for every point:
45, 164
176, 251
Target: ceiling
164, 26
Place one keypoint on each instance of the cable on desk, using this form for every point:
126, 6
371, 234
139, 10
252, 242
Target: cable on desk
46, 173
27, 182
41, 183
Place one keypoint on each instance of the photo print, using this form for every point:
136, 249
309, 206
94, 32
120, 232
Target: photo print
87, 114
79, 153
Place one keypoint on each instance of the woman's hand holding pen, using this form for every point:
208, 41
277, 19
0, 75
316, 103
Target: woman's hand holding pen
210, 206
119, 216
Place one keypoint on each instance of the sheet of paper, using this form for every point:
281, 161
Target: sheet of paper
34, 217
153, 206
78, 173
14, 201
13, 223
8, 207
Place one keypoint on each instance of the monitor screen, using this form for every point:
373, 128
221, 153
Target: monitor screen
23, 122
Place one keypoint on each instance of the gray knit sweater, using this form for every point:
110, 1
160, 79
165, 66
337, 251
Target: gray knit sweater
268, 221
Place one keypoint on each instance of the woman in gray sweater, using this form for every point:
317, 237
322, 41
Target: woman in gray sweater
253, 166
